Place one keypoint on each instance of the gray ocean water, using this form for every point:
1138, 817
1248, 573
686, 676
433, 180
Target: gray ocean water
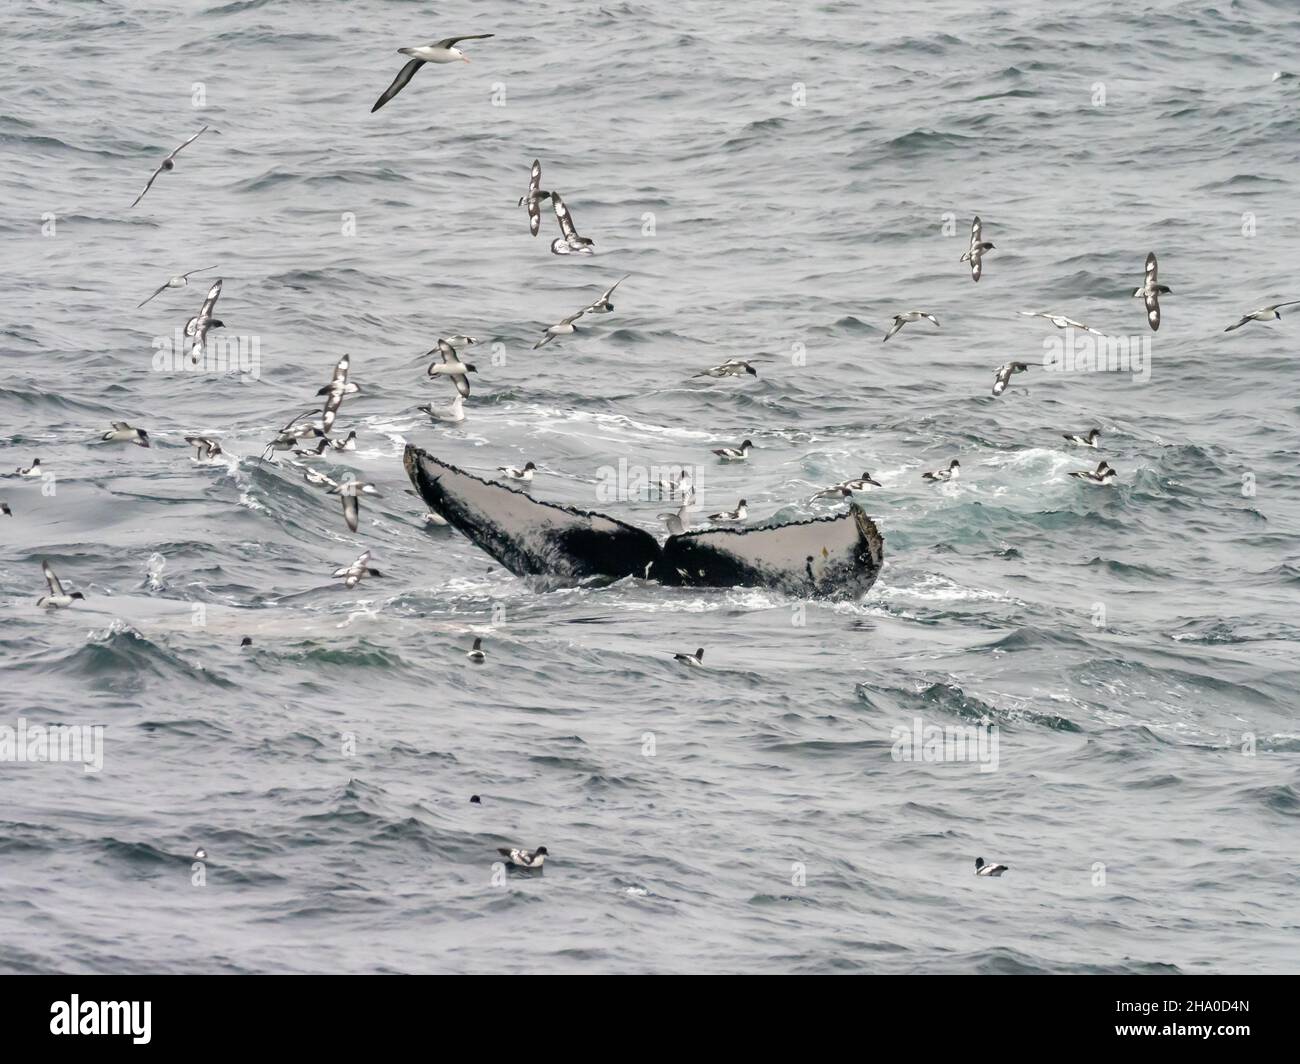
777, 181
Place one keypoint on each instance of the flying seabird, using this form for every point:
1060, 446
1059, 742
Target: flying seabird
179, 281
351, 575
735, 454
951, 473
1084, 441
564, 327
570, 241
444, 51
350, 491
57, 596
982, 869
121, 432
1151, 292
518, 474
975, 253
603, 305
476, 655
524, 858
1103, 475
1061, 321
1003, 375
533, 200
1268, 313
696, 659
731, 517
206, 448
909, 316
287, 438
169, 164
33, 470
451, 366
198, 326
733, 367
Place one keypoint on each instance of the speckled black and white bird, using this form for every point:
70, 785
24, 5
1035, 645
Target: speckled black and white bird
1089, 440
604, 305
848, 487
4, 509
33, 470
563, 327
448, 364
179, 281
696, 659
951, 473
569, 241
525, 474
1002, 375
733, 367
731, 517
909, 316
348, 443
57, 596
475, 653
353, 574
454, 412
121, 432
1151, 291
982, 869
1268, 313
169, 163
444, 51
431, 516
1104, 474
735, 454
197, 327
524, 858
205, 447
975, 253
1061, 321
534, 197
350, 491
322, 445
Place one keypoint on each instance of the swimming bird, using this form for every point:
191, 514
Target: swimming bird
731, 517
676, 523
350, 491
735, 454
603, 304
206, 448
909, 316
1151, 291
1084, 441
321, 447
179, 281
696, 659
121, 432
569, 241
454, 412
351, 575
348, 443
198, 326
201, 854
33, 470
533, 199
982, 869
4, 509
57, 596
525, 474
169, 163
247, 641
1003, 375
1061, 321
444, 51
451, 366
564, 327
975, 253
1269, 313
475, 653
733, 367
1103, 475
951, 473
474, 799
524, 858
847, 487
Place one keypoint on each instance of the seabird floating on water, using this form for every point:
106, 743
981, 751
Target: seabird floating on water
476, 655
451, 366
1103, 475
170, 164
524, 858
4, 509
735, 454
351, 575
1269, 313
198, 326
179, 281
951, 473
57, 596
731, 517
444, 51
1151, 291
570, 241
982, 869
33, 470
525, 474
846, 488
909, 316
1003, 375
1084, 441
121, 432
696, 659
975, 253
533, 200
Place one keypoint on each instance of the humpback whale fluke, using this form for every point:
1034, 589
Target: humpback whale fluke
830, 557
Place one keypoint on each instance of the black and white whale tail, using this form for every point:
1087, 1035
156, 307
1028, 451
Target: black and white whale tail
532, 538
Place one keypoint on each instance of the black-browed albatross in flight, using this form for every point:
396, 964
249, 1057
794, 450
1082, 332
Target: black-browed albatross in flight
444, 51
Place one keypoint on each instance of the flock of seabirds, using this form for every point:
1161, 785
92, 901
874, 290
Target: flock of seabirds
317, 425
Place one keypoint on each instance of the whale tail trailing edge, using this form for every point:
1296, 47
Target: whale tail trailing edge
834, 557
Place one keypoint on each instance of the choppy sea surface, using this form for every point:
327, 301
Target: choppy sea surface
776, 186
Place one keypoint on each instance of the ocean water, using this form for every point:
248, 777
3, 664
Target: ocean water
776, 186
